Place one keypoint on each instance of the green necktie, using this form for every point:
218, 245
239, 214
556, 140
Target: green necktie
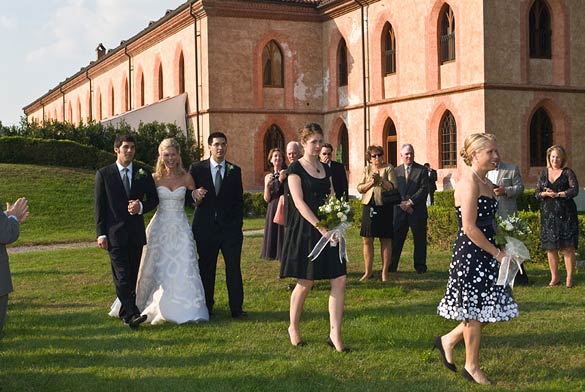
217, 182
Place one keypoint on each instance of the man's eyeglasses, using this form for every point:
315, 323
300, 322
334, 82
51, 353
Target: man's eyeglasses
376, 155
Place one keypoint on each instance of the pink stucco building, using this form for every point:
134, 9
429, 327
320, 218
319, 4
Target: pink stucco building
388, 72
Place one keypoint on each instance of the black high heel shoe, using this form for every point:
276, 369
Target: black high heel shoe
330, 343
439, 346
470, 378
299, 344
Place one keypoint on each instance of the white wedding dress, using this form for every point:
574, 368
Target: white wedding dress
169, 286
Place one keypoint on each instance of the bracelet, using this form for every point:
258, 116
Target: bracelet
497, 254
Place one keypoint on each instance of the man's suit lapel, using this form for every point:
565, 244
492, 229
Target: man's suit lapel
117, 180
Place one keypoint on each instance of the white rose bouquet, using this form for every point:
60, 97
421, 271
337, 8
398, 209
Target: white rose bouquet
336, 215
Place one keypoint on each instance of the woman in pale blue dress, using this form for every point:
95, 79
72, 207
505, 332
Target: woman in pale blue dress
169, 286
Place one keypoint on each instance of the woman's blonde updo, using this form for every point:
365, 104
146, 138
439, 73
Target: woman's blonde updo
160, 165
474, 143
309, 130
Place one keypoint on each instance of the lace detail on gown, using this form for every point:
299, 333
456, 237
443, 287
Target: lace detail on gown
169, 286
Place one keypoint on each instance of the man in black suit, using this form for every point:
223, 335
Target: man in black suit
432, 183
218, 220
413, 183
338, 174
124, 191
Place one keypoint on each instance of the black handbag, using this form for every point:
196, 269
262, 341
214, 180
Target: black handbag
392, 197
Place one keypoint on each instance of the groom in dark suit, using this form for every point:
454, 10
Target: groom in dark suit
413, 184
123, 192
218, 220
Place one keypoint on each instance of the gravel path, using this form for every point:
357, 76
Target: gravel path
76, 245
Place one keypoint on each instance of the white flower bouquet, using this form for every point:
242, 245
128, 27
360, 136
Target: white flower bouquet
510, 234
336, 215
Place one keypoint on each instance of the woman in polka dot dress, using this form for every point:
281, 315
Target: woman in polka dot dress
472, 296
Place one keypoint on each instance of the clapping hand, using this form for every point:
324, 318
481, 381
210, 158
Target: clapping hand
19, 209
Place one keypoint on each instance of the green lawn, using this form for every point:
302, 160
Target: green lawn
59, 337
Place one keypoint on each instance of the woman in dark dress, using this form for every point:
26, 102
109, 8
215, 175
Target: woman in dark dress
273, 189
376, 217
472, 296
559, 227
309, 185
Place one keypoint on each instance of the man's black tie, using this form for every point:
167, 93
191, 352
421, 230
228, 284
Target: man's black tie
126, 181
217, 182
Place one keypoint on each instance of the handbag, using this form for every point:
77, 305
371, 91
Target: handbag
391, 197
279, 214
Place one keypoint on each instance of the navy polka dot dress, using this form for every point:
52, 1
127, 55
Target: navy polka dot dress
471, 292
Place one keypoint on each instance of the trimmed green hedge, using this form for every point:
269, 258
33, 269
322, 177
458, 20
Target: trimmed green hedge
526, 201
17, 149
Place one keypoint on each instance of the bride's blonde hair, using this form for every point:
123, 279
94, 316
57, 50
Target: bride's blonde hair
160, 165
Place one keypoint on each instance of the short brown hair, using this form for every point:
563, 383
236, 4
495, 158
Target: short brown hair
371, 149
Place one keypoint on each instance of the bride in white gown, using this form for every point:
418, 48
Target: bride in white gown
169, 287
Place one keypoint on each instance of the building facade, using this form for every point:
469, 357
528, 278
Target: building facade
385, 72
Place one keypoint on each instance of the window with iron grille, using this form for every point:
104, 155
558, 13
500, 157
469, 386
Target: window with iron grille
342, 150
448, 147
447, 34
160, 82
540, 31
272, 65
541, 137
181, 74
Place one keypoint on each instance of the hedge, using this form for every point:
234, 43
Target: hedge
526, 201
17, 149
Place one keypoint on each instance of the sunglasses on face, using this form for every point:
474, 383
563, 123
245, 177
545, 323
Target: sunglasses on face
376, 155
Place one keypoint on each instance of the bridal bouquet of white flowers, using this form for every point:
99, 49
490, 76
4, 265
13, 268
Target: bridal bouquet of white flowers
336, 215
509, 234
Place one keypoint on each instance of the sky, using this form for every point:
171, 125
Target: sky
44, 42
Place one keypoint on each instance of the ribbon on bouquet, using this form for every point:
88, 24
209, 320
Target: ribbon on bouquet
516, 253
333, 236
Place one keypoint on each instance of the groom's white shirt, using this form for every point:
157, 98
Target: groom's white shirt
213, 167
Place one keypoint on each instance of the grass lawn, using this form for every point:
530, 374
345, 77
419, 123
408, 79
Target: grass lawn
59, 337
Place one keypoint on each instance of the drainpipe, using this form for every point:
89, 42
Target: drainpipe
364, 84
198, 129
90, 95
129, 77
63, 95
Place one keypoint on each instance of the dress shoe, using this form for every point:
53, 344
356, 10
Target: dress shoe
135, 320
421, 270
470, 378
299, 344
240, 315
330, 343
439, 346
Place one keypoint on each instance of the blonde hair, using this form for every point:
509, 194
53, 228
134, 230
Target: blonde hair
474, 143
160, 165
560, 151
309, 130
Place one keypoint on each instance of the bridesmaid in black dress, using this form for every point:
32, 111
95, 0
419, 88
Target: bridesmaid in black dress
273, 189
309, 185
472, 296
559, 227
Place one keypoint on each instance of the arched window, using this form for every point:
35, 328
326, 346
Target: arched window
342, 69
540, 30
142, 89
448, 132
391, 142
79, 118
70, 113
112, 102
181, 74
541, 137
389, 45
342, 150
273, 138
98, 108
126, 98
160, 82
447, 33
272, 65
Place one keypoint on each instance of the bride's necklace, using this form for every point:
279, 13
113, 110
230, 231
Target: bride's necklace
484, 181
309, 162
